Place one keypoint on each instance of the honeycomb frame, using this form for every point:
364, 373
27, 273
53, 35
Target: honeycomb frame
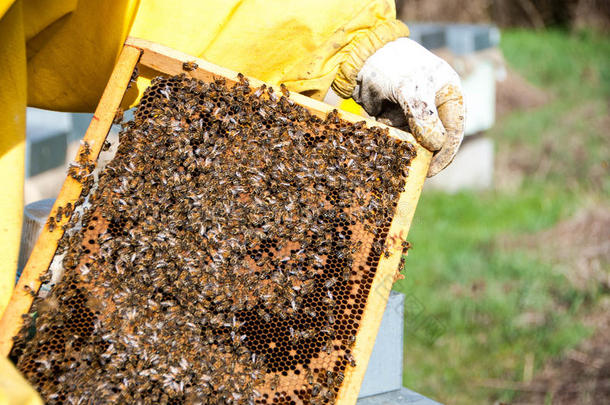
152, 60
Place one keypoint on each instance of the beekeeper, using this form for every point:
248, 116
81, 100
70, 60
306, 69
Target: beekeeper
58, 54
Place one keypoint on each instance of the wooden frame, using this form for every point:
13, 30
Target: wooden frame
153, 59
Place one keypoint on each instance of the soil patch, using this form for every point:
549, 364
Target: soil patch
582, 376
517, 94
579, 246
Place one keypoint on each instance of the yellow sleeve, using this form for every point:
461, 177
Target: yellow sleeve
12, 144
360, 48
14, 389
71, 49
304, 44
308, 45
4, 6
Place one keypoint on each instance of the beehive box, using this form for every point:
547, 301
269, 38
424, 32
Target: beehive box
239, 247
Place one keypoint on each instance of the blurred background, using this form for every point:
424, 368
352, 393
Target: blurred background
507, 284
507, 287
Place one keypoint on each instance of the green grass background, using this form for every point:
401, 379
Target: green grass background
475, 311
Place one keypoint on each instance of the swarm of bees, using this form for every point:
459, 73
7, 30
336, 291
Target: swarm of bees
225, 255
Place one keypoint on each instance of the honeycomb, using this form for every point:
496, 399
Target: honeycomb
224, 255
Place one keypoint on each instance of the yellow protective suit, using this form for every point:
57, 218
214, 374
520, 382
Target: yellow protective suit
14, 389
58, 54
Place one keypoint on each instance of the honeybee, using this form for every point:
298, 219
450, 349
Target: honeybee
328, 346
59, 214
68, 209
274, 382
29, 290
284, 90
118, 118
309, 375
339, 378
189, 66
330, 282
51, 223
329, 395
350, 359
134, 77
242, 79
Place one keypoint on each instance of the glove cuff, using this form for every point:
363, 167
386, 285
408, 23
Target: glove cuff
359, 50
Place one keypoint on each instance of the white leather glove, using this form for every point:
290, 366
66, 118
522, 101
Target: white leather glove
406, 86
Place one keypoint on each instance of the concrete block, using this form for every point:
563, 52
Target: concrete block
469, 38
384, 371
471, 169
403, 396
429, 35
461, 39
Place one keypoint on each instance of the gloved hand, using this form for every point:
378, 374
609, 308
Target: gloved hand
406, 86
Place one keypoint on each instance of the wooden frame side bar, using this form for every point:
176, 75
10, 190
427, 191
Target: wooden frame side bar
46, 245
384, 279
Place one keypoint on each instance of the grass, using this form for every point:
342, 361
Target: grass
570, 64
475, 311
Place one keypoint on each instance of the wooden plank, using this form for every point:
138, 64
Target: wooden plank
45, 247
